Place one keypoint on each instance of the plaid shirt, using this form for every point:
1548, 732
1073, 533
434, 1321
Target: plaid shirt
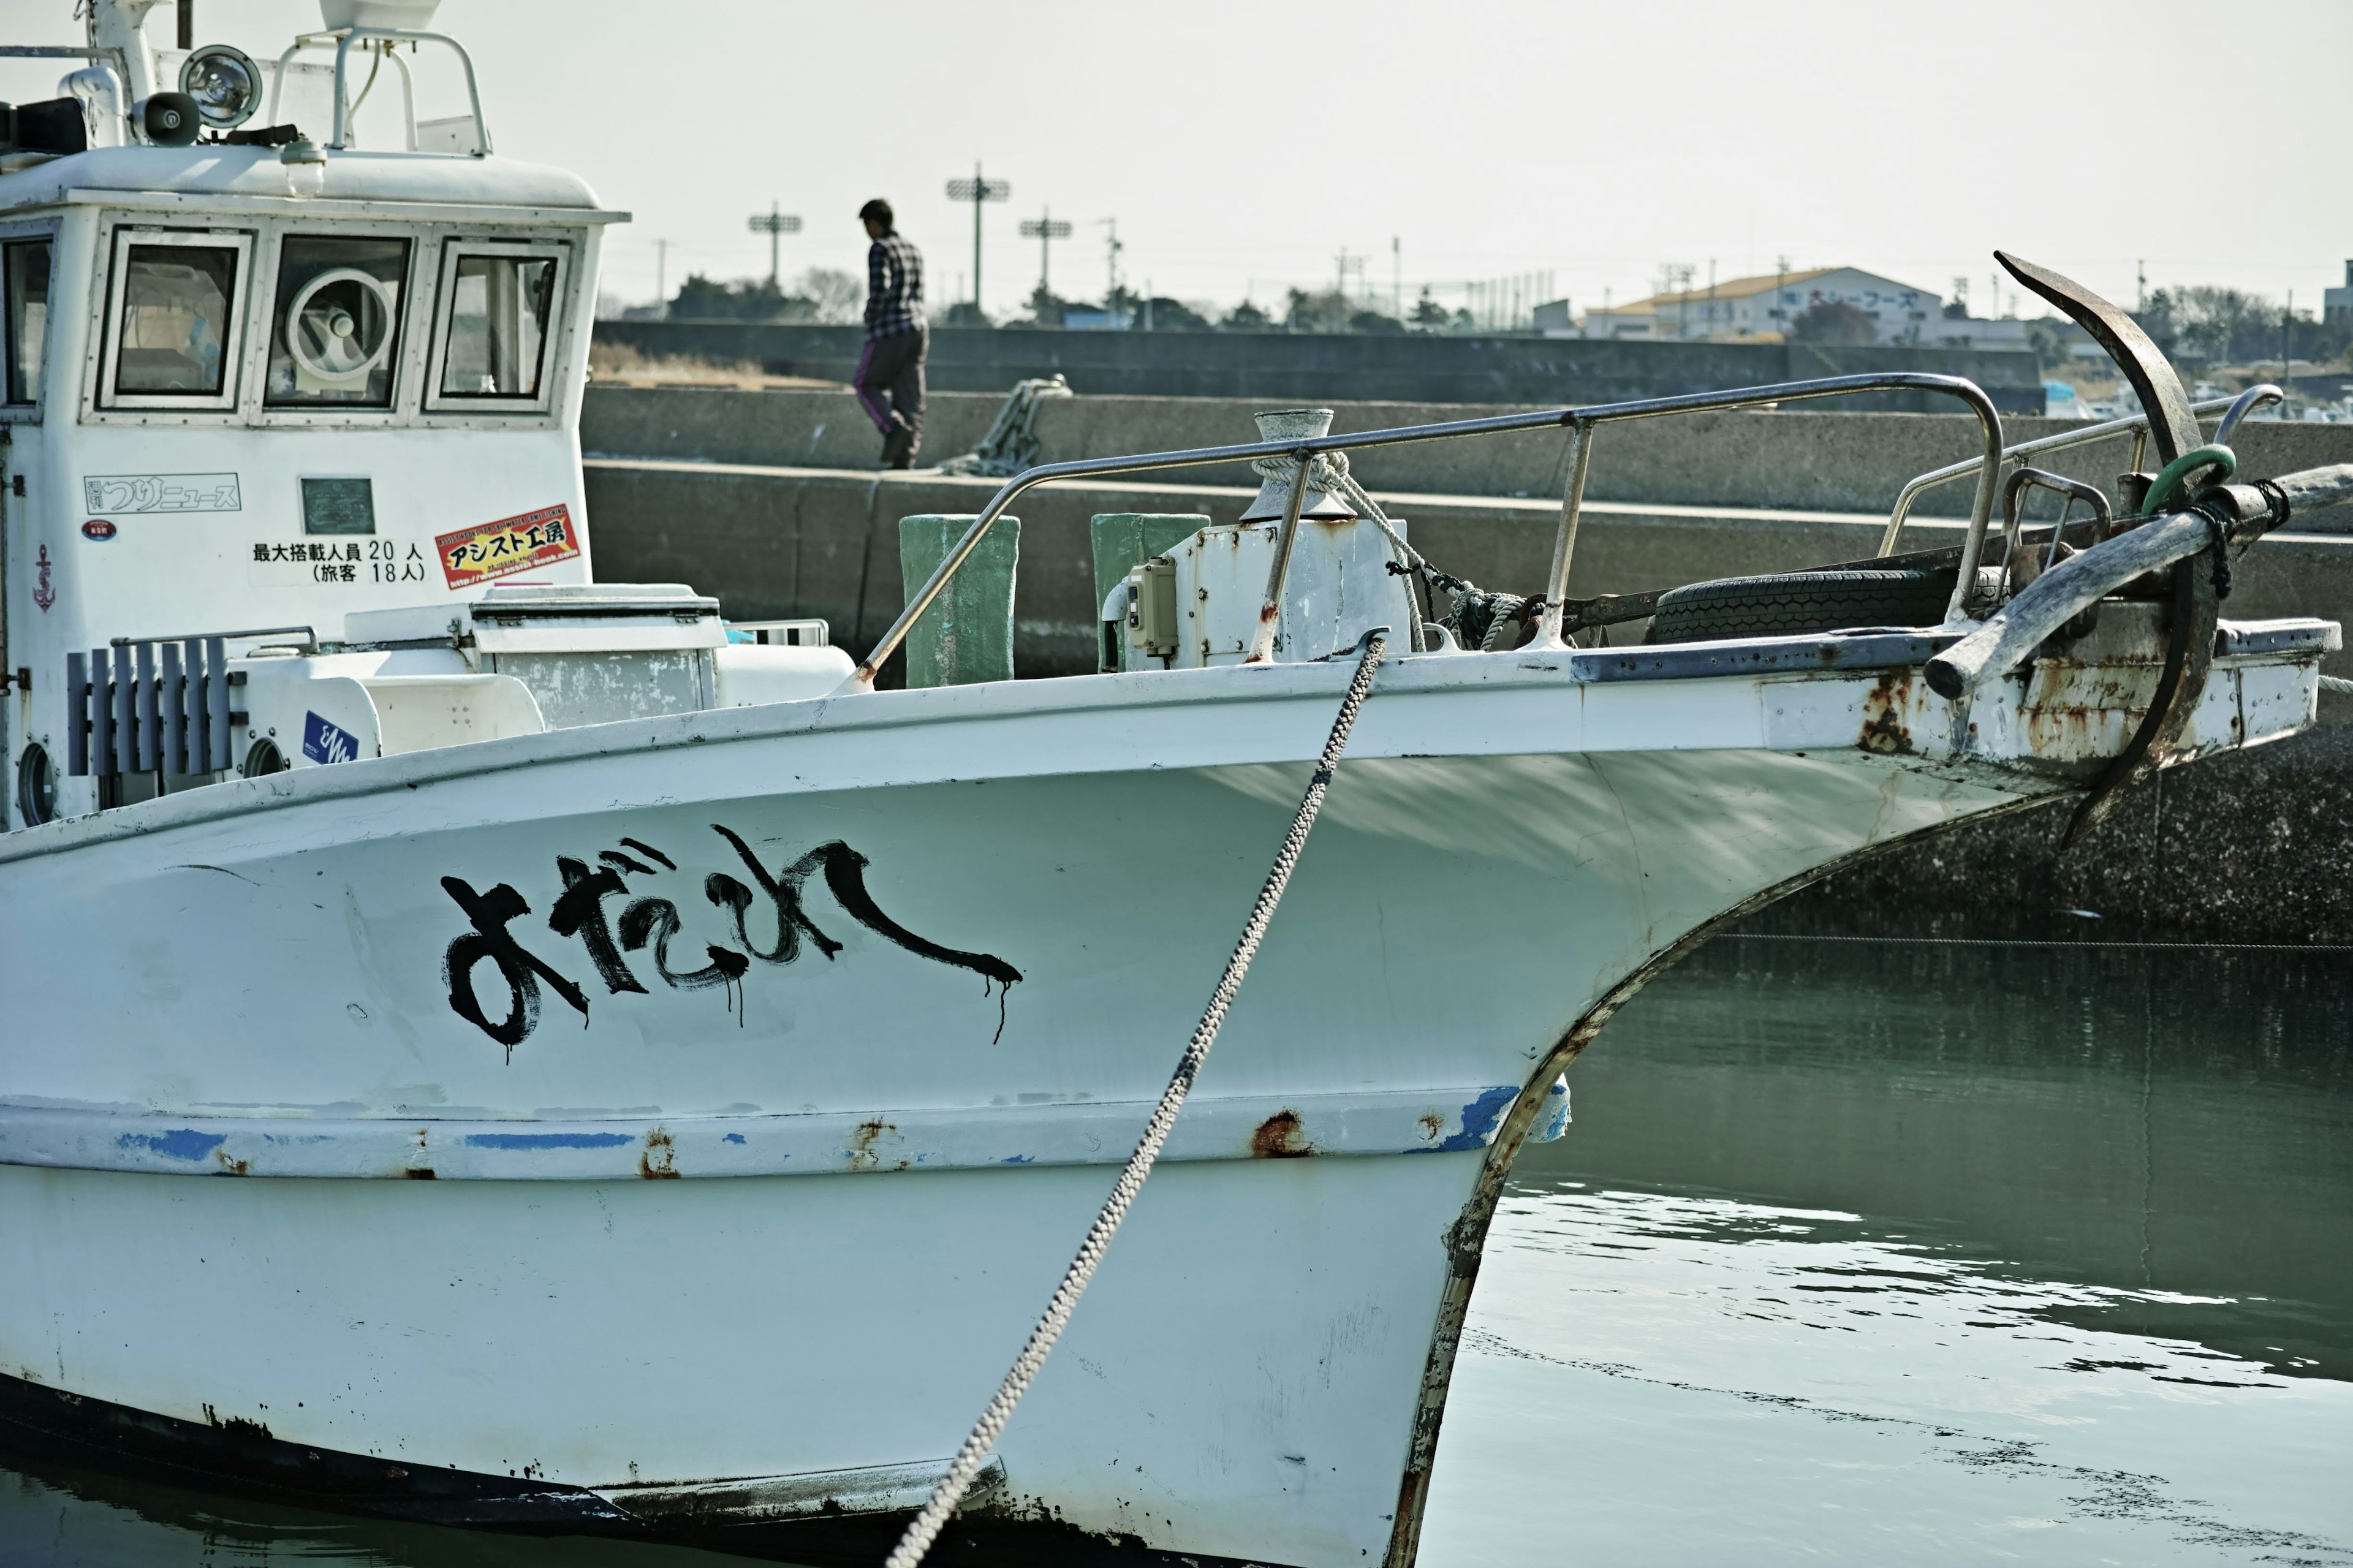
894, 286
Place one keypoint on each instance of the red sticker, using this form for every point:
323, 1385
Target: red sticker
512, 544
98, 528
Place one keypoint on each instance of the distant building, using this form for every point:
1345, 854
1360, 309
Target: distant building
2337, 304
1761, 308
1552, 319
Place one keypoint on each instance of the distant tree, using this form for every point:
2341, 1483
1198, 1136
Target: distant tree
1048, 309
1317, 311
963, 313
835, 299
1429, 315
1375, 323
1956, 310
1833, 322
747, 299
2050, 343
1245, 318
1167, 315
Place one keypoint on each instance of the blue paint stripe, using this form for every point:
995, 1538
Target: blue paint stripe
548, 1140
181, 1143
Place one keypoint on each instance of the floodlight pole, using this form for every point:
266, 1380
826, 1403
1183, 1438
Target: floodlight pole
978, 190
773, 223
1045, 228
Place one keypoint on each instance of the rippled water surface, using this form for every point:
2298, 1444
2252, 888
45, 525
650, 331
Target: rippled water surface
1855, 1253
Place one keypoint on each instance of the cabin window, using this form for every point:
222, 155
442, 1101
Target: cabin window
177, 321
499, 314
337, 321
27, 264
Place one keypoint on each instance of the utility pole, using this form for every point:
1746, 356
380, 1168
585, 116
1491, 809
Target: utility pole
2142, 268
773, 223
1711, 296
1045, 228
1112, 248
2287, 370
1396, 278
979, 190
662, 276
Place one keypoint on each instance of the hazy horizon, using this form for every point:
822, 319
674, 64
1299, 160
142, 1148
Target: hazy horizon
1241, 149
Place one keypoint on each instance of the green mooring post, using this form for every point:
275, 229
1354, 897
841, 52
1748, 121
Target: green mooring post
967, 636
1123, 541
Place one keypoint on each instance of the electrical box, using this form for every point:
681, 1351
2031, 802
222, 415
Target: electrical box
1152, 628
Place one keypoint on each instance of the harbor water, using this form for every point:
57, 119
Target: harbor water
1856, 1252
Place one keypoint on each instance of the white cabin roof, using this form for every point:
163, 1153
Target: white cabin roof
237, 174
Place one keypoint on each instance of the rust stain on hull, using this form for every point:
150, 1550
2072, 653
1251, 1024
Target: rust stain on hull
1279, 1137
659, 1162
863, 1155
1886, 715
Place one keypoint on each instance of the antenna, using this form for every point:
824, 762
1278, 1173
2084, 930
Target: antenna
978, 190
772, 223
1045, 228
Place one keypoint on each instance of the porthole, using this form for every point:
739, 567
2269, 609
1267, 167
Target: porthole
36, 787
264, 758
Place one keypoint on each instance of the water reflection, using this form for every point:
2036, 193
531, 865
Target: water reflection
1873, 1252
1854, 1253
55, 1513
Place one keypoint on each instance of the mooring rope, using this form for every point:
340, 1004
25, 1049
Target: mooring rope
926, 1527
2338, 684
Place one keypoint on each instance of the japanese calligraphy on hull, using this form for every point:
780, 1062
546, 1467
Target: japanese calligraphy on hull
512, 544
605, 937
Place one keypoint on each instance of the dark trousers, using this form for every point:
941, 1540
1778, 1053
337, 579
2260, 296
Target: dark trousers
890, 383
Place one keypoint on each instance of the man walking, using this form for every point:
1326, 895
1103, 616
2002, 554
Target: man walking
892, 367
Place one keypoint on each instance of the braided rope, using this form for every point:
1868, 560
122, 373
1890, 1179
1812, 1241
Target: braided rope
926, 1527
2336, 683
1329, 472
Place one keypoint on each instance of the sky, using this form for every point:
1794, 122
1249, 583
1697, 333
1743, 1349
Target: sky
1243, 148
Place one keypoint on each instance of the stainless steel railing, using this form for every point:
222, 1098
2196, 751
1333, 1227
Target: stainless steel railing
2238, 408
1580, 422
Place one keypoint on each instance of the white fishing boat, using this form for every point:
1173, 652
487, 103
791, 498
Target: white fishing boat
487, 1045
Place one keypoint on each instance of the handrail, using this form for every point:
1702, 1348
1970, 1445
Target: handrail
310, 635
343, 42
1302, 453
1582, 421
473, 93
2250, 399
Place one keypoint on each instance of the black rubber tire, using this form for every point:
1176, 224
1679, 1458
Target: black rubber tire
1789, 602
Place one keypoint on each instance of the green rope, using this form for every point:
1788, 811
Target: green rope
2170, 477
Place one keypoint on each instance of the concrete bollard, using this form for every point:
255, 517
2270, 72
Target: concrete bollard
966, 636
1123, 541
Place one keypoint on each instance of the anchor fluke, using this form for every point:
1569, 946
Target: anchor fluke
2171, 426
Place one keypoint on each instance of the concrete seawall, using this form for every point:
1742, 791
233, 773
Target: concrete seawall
2257, 845
1298, 367
1813, 461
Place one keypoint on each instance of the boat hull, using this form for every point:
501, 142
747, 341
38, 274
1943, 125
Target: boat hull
750, 1166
